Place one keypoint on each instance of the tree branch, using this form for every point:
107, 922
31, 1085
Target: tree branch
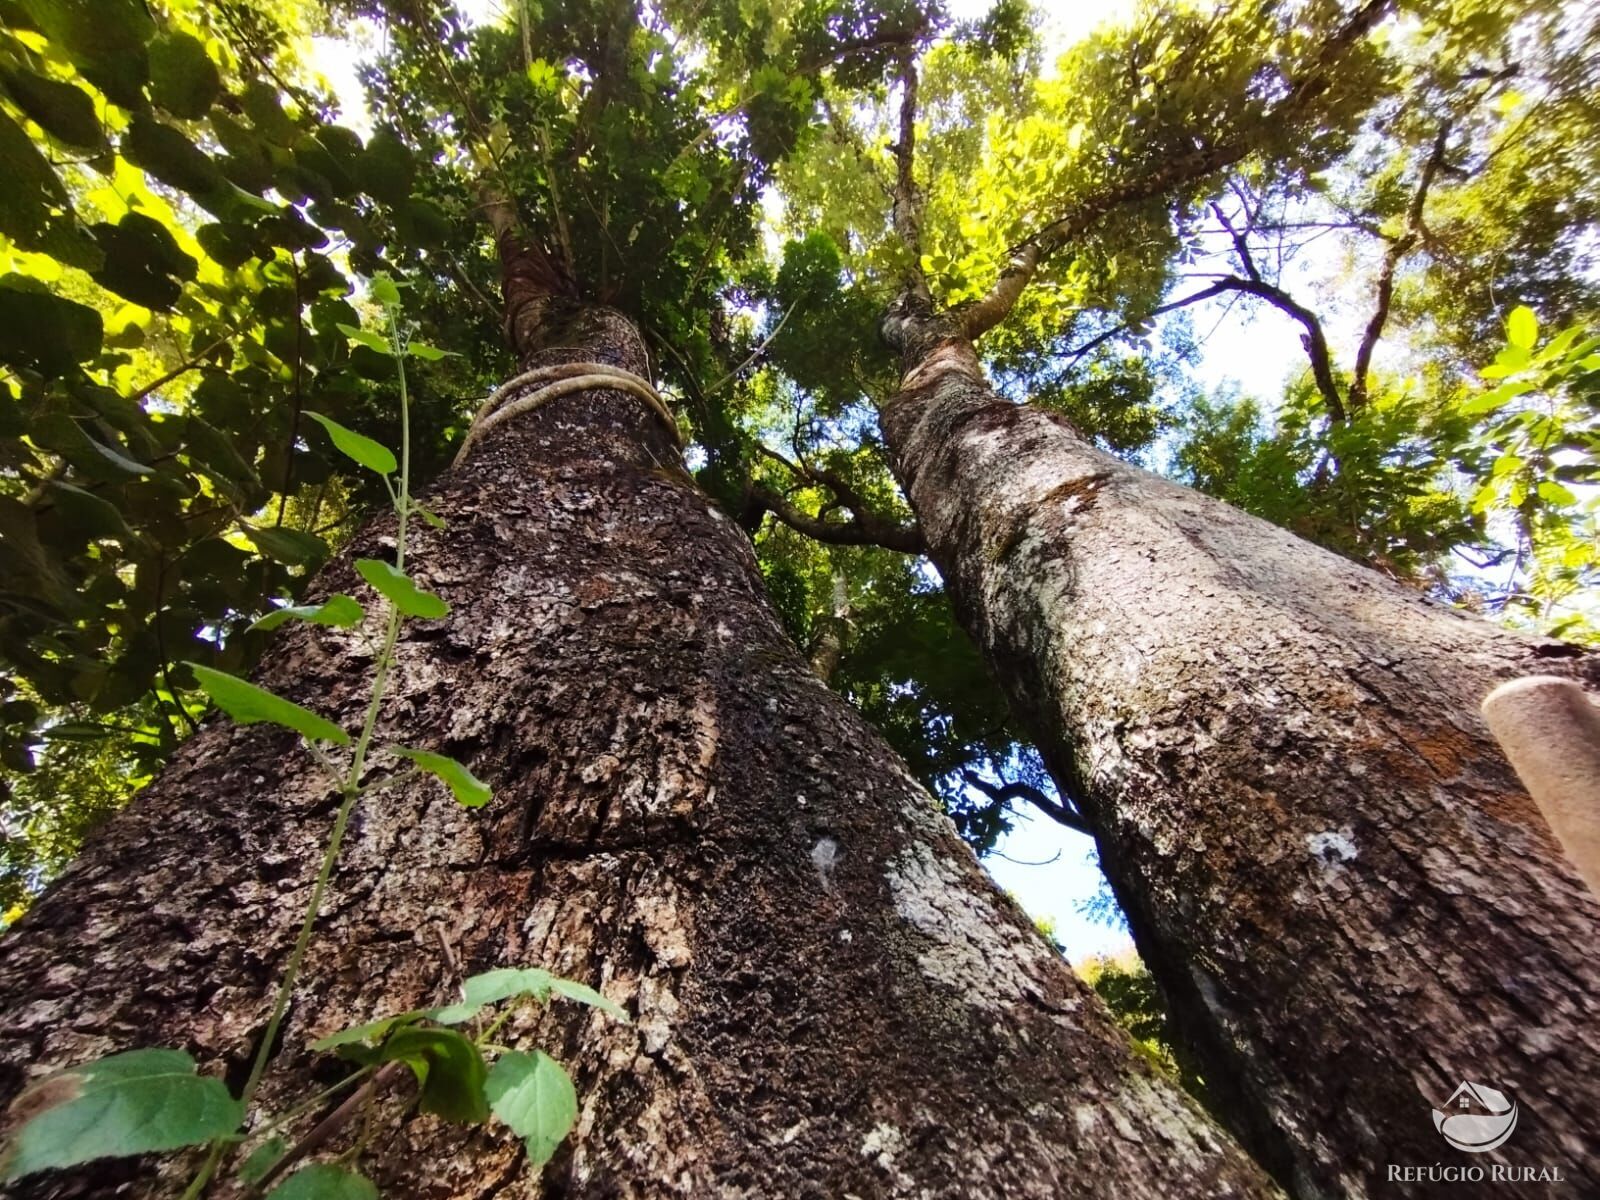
906, 210
982, 315
1062, 814
864, 529
1398, 249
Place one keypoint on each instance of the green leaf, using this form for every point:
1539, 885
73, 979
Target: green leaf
385, 292
62, 110
584, 994
183, 79
137, 1102
426, 352
48, 332
449, 1069
121, 461
491, 987
248, 705
532, 1094
370, 1033
1552, 492
288, 546
1495, 398
170, 157
104, 37
375, 456
386, 168
338, 610
93, 514
467, 788
1522, 327
398, 588
367, 337
324, 1181
431, 518
261, 1159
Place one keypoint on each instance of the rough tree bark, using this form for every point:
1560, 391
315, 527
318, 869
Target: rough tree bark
1346, 894
830, 998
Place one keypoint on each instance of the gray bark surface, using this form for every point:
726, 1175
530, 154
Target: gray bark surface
830, 998
1348, 898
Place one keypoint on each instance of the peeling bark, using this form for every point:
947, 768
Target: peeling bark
830, 997
1332, 870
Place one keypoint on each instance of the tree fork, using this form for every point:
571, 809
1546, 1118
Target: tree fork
829, 996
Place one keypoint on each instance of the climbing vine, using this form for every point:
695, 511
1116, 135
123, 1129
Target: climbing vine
154, 1100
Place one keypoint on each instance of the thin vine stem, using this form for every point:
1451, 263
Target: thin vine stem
351, 790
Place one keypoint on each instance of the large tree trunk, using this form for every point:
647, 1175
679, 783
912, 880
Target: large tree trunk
1347, 896
830, 998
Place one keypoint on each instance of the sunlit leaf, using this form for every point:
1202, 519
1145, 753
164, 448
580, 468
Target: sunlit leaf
400, 590
249, 704
470, 791
534, 1096
338, 610
370, 454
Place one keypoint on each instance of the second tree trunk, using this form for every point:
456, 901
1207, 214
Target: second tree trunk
1347, 896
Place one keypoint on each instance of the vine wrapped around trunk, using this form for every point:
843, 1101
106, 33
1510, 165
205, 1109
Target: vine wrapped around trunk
829, 997
1348, 898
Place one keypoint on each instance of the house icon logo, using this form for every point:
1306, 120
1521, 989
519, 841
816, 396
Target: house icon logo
1476, 1118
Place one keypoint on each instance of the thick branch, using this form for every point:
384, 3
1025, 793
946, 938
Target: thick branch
983, 315
864, 529
827, 648
1313, 340
529, 278
1398, 249
1062, 814
907, 213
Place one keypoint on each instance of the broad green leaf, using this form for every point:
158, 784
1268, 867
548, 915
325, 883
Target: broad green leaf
324, 1181
45, 331
532, 1094
171, 157
1522, 327
467, 788
449, 1069
338, 610
261, 1159
121, 461
386, 168
138, 1102
288, 546
426, 352
370, 1032
491, 987
399, 589
1495, 398
183, 79
249, 705
1552, 492
385, 292
62, 110
104, 37
367, 337
375, 456
90, 513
